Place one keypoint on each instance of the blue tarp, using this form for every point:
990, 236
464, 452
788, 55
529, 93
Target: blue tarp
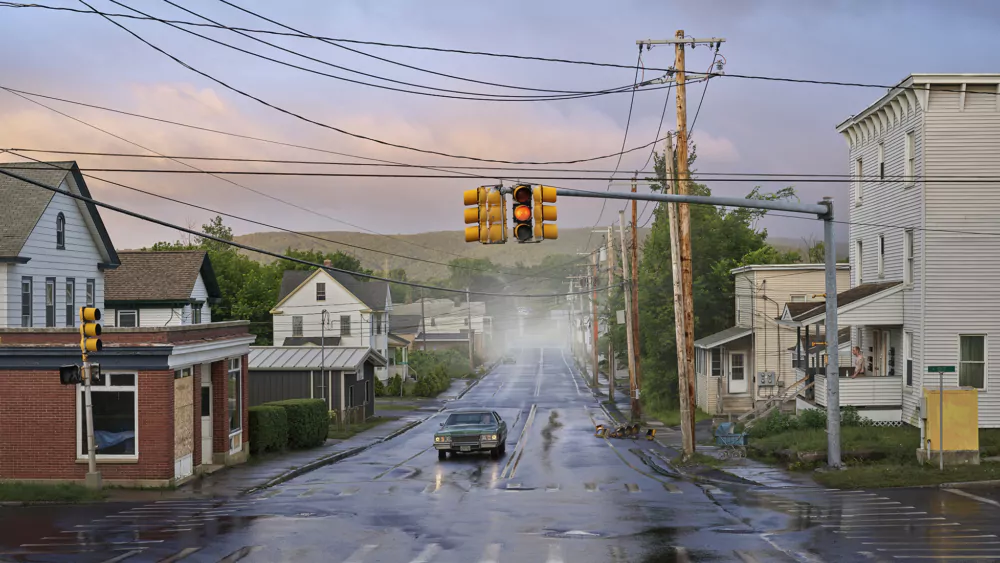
104, 439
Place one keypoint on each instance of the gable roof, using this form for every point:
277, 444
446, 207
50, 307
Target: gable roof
405, 324
338, 358
374, 294
160, 276
22, 204
844, 299
723, 337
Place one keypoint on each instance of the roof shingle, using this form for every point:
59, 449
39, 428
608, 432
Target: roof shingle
22, 204
371, 293
156, 276
844, 298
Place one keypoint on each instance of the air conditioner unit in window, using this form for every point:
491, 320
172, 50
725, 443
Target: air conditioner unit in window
767, 378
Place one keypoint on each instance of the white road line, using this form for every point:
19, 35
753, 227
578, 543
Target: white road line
570, 370
861, 524
310, 492
427, 554
746, 557
359, 555
949, 538
973, 497
949, 548
682, 554
180, 555
491, 554
555, 553
990, 550
878, 514
944, 557
123, 556
239, 554
928, 525
941, 534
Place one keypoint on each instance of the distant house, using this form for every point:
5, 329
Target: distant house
447, 323
172, 400
357, 313
750, 361
160, 289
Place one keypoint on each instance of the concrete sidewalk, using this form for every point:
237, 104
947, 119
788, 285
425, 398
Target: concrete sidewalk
271, 469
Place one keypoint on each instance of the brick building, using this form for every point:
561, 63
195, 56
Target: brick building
172, 400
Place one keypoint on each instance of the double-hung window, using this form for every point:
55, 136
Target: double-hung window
345, 325
128, 319
716, 361
26, 291
858, 181
50, 302
908, 257
910, 168
881, 256
115, 412
908, 356
296, 325
91, 297
234, 393
972, 360
320, 291
70, 302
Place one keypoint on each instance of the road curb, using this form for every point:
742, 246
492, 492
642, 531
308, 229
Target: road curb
989, 483
331, 459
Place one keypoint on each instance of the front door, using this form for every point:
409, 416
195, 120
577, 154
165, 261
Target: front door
206, 415
880, 359
737, 372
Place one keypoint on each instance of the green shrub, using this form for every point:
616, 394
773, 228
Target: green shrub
849, 416
812, 418
433, 383
774, 423
394, 386
380, 390
308, 422
268, 429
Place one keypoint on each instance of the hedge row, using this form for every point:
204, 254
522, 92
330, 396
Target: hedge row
294, 423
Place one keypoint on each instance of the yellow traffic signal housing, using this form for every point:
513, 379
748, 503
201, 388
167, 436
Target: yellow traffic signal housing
90, 330
475, 215
495, 217
544, 213
523, 215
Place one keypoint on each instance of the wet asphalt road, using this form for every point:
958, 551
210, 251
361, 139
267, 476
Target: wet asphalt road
560, 495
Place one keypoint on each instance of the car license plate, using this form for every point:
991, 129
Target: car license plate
466, 448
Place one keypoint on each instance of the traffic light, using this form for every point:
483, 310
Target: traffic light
90, 330
475, 215
496, 217
523, 215
543, 213
70, 375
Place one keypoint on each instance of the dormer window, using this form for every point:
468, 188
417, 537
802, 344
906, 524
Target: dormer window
61, 231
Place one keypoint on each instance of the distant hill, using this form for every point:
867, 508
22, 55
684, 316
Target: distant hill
444, 246
438, 246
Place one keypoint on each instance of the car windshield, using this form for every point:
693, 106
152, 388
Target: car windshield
469, 418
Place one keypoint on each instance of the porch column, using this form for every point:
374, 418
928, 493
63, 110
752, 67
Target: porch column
196, 423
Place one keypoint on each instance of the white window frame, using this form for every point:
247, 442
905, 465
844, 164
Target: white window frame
881, 161
297, 325
909, 261
881, 256
234, 365
859, 258
859, 167
908, 358
90, 297
910, 159
196, 313
107, 387
27, 320
320, 291
798, 298
118, 317
60, 231
51, 302
711, 362
345, 322
70, 302
985, 362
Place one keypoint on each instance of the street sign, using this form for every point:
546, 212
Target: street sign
620, 316
940, 369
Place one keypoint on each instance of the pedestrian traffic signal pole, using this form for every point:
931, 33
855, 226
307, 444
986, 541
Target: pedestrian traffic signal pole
90, 331
822, 210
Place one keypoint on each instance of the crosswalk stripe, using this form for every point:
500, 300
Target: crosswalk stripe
239, 554
123, 556
555, 553
349, 491
427, 554
359, 555
672, 488
310, 492
632, 487
491, 554
180, 555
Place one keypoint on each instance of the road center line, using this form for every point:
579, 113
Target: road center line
359, 555
973, 497
492, 554
555, 553
427, 554
521, 445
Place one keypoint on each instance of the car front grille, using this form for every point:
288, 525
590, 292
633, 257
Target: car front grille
465, 440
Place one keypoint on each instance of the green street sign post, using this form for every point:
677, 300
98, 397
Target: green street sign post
941, 370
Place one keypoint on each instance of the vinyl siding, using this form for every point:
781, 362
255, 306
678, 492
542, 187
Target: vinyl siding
4, 285
863, 391
900, 206
963, 296
887, 310
199, 293
775, 289
339, 301
743, 302
78, 260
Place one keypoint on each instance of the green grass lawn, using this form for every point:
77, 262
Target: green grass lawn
910, 475
891, 444
382, 405
337, 433
673, 418
35, 492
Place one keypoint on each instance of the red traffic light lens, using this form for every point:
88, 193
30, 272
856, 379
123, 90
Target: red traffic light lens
522, 213
522, 194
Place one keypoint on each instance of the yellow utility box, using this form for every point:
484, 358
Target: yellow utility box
961, 425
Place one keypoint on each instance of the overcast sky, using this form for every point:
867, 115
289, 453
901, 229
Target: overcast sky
744, 126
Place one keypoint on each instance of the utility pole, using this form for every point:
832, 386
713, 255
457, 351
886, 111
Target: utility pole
423, 319
472, 333
611, 316
593, 286
633, 396
634, 318
685, 371
687, 429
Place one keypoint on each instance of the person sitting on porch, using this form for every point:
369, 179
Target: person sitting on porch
859, 362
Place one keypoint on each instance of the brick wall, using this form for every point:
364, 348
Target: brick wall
38, 428
127, 336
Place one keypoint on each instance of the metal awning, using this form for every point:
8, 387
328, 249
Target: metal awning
720, 338
337, 358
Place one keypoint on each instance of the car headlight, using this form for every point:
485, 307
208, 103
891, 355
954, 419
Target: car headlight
488, 437
441, 438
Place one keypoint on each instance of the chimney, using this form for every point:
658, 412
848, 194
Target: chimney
327, 263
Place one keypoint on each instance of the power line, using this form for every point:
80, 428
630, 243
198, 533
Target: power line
278, 228
464, 95
247, 247
338, 129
